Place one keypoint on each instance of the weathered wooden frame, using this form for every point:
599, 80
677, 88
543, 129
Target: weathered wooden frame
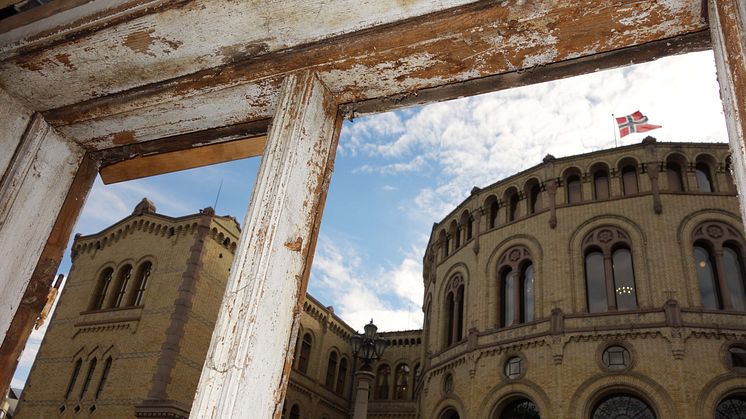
383, 56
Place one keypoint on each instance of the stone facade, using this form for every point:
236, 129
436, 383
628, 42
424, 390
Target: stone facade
512, 326
571, 287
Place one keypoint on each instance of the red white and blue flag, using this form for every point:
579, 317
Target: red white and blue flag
636, 122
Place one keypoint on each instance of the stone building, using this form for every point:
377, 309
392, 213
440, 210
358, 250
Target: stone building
592, 286
602, 285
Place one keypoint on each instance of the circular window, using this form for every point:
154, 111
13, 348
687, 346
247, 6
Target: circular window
520, 409
622, 406
448, 384
737, 357
616, 358
733, 407
514, 367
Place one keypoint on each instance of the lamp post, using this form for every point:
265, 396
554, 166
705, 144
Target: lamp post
367, 347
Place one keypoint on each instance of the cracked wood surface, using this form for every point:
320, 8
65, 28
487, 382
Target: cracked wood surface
147, 77
258, 320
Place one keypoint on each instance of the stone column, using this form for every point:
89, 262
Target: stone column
364, 381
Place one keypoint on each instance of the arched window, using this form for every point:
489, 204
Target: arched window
331, 370
574, 189
704, 178
104, 376
732, 407
456, 234
491, 205
609, 271
455, 310
141, 283
88, 377
601, 184
342, 375
121, 286
533, 192
718, 250
513, 207
629, 180
466, 225
443, 239
382, 382
673, 177
450, 413
516, 283
520, 408
295, 412
73, 378
102, 286
401, 382
622, 406
305, 353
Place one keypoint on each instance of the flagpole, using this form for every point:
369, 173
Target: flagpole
616, 128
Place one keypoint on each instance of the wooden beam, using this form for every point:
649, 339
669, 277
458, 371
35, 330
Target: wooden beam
35, 296
728, 26
258, 321
157, 164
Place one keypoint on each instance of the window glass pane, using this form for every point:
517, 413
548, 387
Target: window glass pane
673, 176
507, 295
528, 294
629, 180
574, 193
520, 409
595, 282
706, 277
622, 406
624, 280
513, 207
733, 407
451, 314
734, 278
601, 185
737, 356
513, 367
702, 172
616, 357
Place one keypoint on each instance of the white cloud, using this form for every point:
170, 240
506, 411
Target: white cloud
391, 297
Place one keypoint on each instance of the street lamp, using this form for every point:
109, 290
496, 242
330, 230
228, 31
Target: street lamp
368, 347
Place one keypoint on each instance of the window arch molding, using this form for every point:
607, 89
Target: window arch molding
596, 388
609, 270
675, 166
102, 288
628, 169
572, 178
600, 177
516, 286
724, 248
501, 395
140, 280
710, 166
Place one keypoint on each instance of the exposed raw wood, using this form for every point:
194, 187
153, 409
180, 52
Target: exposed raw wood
728, 22
156, 164
35, 297
162, 88
31, 197
258, 321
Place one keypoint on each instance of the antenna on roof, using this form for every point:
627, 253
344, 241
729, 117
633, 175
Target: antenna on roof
215, 207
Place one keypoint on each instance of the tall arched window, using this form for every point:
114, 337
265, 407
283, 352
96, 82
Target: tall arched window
718, 257
401, 382
141, 283
629, 180
305, 353
491, 205
121, 286
73, 378
609, 271
342, 376
443, 240
533, 192
382, 382
104, 376
674, 178
601, 184
88, 377
574, 189
295, 412
102, 286
466, 225
331, 370
513, 207
622, 406
456, 234
516, 282
704, 177
454, 310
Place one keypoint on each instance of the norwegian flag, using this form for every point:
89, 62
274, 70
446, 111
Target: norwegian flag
636, 122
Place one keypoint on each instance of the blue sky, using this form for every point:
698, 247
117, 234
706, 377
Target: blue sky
397, 173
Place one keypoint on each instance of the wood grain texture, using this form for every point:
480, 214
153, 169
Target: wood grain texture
258, 321
157, 164
33, 192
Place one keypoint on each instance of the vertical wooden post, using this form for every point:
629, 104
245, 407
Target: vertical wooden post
728, 31
38, 179
248, 363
